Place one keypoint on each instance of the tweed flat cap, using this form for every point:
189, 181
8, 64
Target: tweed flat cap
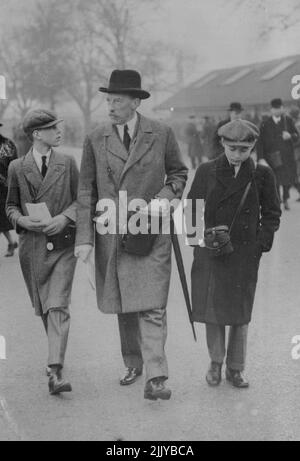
239, 133
39, 119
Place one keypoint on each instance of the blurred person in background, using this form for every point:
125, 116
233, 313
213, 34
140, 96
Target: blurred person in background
235, 112
8, 152
195, 149
278, 136
208, 132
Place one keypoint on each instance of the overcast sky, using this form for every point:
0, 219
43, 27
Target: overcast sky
210, 29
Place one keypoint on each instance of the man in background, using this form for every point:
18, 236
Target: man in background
235, 112
278, 136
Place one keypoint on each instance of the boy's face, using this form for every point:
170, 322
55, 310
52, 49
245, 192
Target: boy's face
236, 155
50, 137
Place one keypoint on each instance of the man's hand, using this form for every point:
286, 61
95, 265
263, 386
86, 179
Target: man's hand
286, 136
83, 252
56, 225
32, 225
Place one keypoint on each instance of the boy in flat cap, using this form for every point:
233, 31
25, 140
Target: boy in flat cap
47, 259
278, 136
242, 212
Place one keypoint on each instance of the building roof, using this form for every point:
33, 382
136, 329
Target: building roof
252, 85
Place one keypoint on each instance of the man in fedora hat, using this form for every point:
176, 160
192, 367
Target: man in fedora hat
278, 136
140, 157
235, 112
243, 197
48, 179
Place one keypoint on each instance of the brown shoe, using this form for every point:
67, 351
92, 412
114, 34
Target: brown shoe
214, 374
237, 379
57, 385
130, 377
155, 389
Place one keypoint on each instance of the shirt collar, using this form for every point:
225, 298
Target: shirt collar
131, 127
276, 119
38, 157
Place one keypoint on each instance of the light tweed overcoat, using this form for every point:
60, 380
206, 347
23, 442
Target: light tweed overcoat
48, 275
153, 167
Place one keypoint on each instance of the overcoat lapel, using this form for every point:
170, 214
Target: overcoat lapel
141, 144
32, 174
114, 144
56, 169
233, 185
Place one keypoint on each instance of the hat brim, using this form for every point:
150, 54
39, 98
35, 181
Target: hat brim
240, 143
141, 94
47, 125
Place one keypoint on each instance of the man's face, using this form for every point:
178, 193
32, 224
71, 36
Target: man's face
277, 111
121, 108
236, 155
235, 115
51, 137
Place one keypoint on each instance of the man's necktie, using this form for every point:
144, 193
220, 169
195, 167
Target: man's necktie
126, 138
233, 170
44, 166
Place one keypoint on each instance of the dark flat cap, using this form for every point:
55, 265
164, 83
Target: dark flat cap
276, 103
39, 119
239, 133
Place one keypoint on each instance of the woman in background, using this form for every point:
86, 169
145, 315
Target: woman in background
8, 152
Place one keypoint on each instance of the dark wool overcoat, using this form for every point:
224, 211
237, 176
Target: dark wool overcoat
153, 167
8, 153
271, 141
223, 288
48, 275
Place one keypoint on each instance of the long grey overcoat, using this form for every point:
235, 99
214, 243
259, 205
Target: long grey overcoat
48, 276
153, 167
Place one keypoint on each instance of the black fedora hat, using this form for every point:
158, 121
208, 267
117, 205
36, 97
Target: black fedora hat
126, 82
236, 107
276, 103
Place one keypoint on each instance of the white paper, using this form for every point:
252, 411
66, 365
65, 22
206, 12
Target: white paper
38, 211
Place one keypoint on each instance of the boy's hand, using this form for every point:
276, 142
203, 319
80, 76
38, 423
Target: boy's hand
56, 225
32, 225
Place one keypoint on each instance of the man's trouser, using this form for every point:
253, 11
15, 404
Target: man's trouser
143, 338
57, 324
237, 345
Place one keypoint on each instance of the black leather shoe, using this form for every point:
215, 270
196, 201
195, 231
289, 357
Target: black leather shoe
155, 389
237, 379
131, 376
57, 385
214, 375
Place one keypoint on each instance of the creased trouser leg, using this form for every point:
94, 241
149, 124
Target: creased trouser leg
237, 347
130, 343
58, 326
215, 337
153, 336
